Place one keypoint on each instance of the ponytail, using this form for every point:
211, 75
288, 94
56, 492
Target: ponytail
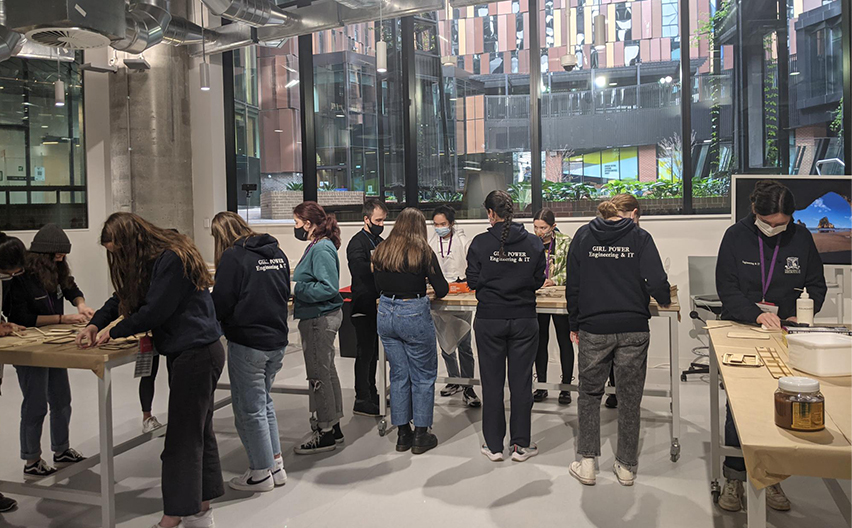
607, 209
620, 203
501, 204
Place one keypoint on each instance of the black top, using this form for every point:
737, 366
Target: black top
614, 269
27, 300
738, 271
251, 293
359, 253
179, 316
409, 285
505, 287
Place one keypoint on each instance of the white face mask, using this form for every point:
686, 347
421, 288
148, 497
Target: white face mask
767, 229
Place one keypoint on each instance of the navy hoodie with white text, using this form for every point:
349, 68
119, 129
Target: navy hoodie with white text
505, 286
251, 293
614, 269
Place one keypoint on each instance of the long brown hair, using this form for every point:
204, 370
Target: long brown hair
50, 274
227, 228
137, 243
325, 224
406, 249
620, 203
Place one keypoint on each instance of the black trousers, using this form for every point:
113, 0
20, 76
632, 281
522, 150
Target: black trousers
192, 473
566, 348
502, 342
147, 384
367, 360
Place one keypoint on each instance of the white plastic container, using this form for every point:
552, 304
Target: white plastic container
824, 355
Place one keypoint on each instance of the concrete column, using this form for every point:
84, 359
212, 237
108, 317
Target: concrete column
152, 136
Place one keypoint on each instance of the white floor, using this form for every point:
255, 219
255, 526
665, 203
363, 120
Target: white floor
367, 483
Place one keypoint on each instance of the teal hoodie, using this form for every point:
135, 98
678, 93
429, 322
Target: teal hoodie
317, 278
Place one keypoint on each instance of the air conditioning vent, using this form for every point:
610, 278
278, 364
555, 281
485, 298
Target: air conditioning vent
68, 38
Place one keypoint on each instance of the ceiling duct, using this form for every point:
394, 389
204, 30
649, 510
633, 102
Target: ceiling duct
181, 31
147, 21
10, 43
253, 12
69, 24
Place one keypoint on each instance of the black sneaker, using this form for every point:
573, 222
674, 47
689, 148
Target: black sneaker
37, 471
366, 408
423, 441
539, 395
565, 397
338, 434
611, 402
319, 443
470, 398
7, 504
70, 456
451, 389
405, 439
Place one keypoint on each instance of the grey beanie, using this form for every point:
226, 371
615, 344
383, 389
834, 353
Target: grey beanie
51, 239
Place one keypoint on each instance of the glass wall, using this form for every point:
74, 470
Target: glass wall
762, 88
42, 159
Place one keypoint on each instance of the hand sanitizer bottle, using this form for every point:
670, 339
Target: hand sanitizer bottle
805, 309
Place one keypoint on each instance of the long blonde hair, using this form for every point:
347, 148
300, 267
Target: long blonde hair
620, 203
406, 249
227, 228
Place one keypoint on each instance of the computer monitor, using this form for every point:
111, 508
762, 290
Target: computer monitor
823, 205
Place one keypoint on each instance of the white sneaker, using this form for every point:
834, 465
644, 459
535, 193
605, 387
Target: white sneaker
494, 457
199, 520
624, 475
180, 525
584, 471
255, 481
279, 476
520, 454
731, 498
150, 425
777, 499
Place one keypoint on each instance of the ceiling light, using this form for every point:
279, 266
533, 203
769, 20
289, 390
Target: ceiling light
204, 69
292, 83
381, 56
449, 60
600, 81
794, 73
278, 131
59, 93
668, 79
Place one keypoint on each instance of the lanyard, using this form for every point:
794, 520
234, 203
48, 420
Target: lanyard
549, 251
372, 242
309, 247
767, 280
449, 247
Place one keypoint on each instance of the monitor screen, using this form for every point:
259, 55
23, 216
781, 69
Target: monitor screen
823, 205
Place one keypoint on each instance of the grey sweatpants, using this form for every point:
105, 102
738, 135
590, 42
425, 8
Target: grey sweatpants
326, 399
598, 352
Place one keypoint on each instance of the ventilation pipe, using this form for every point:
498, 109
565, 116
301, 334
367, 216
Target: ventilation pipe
253, 12
147, 23
181, 32
11, 42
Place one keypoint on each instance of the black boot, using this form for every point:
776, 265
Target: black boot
423, 440
405, 439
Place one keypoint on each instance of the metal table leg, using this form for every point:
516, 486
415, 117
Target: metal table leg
715, 429
674, 367
840, 499
383, 389
756, 506
106, 445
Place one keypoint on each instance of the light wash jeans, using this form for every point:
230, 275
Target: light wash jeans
252, 373
408, 335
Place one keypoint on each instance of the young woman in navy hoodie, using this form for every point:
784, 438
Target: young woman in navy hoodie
614, 269
506, 266
251, 293
162, 286
37, 298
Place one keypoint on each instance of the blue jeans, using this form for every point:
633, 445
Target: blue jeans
42, 387
252, 373
408, 335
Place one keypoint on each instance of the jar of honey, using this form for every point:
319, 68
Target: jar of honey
799, 405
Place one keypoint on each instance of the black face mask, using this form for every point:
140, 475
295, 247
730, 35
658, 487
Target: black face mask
300, 233
375, 230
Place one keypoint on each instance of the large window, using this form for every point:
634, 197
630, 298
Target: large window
627, 101
42, 165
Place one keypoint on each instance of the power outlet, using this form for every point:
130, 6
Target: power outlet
206, 223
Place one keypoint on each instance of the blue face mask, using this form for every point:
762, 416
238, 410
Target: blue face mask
442, 231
